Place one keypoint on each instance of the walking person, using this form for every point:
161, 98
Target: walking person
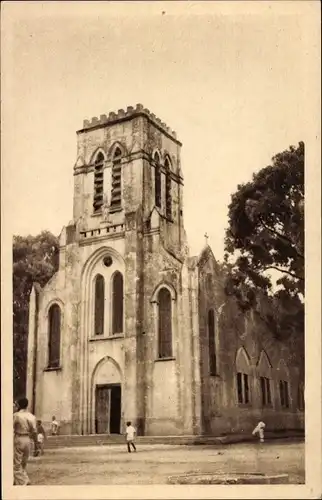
54, 426
24, 428
41, 436
130, 435
259, 429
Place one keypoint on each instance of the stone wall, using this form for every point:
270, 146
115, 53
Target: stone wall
221, 412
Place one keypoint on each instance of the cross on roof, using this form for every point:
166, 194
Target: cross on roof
206, 237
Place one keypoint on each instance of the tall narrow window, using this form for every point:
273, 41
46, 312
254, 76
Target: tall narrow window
157, 181
98, 182
99, 305
168, 198
242, 388
300, 397
54, 325
266, 391
283, 385
165, 324
117, 303
116, 196
212, 343
243, 376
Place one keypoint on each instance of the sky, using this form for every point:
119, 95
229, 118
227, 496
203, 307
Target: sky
231, 79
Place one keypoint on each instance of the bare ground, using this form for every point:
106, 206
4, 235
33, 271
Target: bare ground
153, 464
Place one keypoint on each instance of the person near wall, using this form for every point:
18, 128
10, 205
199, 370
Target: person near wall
41, 436
54, 426
130, 434
24, 428
259, 429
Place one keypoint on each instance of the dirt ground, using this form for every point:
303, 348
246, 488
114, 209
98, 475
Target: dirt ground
153, 464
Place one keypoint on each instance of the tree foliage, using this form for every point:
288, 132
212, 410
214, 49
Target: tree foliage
35, 259
265, 235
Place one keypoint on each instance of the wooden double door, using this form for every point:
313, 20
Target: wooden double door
108, 409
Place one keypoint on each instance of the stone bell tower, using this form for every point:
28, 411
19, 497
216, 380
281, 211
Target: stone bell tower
128, 186
126, 161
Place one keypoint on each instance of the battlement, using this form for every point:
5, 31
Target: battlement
122, 115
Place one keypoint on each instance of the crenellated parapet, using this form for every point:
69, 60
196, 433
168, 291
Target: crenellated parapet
127, 114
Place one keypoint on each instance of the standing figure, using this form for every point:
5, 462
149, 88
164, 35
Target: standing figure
41, 436
259, 429
54, 426
130, 434
24, 428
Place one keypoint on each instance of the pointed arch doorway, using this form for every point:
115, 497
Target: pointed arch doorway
108, 408
107, 397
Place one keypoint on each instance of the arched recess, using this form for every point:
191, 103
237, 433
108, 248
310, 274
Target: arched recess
98, 152
54, 336
243, 376
98, 198
212, 352
117, 303
243, 361
164, 284
168, 188
117, 154
93, 265
165, 315
99, 303
113, 149
106, 397
157, 179
264, 370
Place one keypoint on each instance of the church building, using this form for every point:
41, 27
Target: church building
131, 327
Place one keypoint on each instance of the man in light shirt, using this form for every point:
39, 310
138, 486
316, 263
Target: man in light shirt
24, 428
130, 434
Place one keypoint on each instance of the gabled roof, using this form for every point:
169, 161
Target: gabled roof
205, 254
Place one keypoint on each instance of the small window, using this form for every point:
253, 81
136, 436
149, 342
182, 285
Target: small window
284, 397
54, 326
98, 182
266, 391
99, 305
212, 343
165, 324
242, 388
117, 303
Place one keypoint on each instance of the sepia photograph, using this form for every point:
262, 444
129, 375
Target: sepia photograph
159, 162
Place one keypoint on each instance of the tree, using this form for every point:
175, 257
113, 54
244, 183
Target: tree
266, 233
35, 259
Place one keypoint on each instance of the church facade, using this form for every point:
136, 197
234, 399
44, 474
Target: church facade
131, 327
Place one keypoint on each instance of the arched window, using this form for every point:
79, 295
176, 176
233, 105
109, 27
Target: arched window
54, 325
243, 376
157, 181
212, 343
168, 198
164, 324
265, 373
117, 303
116, 196
98, 182
99, 305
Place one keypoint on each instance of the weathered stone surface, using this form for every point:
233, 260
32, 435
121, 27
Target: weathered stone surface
177, 396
